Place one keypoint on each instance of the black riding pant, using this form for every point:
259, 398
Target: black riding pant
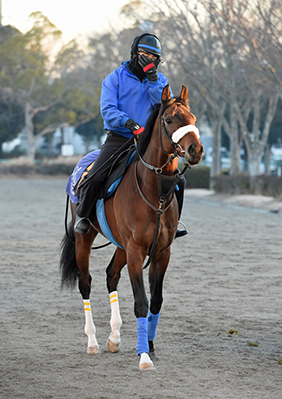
90, 190
180, 195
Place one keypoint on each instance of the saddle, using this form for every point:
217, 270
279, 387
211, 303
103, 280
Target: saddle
117, 170
112, 182
84, 167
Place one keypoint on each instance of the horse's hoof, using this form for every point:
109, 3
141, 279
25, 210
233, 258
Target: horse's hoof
93, 350
153, 356
146, 363
112, 347
146, 366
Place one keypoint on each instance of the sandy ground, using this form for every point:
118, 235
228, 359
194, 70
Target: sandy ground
225, 275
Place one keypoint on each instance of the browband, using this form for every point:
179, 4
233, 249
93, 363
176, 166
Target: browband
179, 133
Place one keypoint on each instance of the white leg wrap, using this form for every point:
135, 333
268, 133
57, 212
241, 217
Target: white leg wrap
90, 329
116, 321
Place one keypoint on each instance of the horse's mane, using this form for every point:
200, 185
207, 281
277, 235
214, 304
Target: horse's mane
145, 137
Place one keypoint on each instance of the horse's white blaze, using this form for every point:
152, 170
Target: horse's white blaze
90, 329
116, 321
182, 131
145, 362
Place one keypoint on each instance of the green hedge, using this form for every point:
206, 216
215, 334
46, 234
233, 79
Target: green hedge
28, 170
245, 184
198, 177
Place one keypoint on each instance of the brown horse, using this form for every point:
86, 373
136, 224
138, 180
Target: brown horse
143, 218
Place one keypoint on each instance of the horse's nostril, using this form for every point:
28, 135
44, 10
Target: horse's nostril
191, 149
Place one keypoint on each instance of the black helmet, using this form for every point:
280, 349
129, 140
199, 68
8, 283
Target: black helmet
151, 44
147, 42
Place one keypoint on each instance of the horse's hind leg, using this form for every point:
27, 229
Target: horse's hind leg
114, 268
83, 250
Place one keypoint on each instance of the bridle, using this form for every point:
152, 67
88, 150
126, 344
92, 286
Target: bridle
175, 145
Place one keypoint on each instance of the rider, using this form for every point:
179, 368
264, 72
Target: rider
128, 93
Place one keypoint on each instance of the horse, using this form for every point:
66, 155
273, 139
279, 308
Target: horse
143, 221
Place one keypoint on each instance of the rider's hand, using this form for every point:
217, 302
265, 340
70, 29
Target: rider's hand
134, 126
148, 67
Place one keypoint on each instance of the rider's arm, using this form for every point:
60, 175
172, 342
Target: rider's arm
109, 102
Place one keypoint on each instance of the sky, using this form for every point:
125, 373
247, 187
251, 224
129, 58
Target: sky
74, 18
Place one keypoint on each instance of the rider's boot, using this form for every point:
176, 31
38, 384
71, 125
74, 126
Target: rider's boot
82, 225
180, 233
180, 196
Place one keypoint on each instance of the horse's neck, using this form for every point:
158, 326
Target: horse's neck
154, 155
148, 178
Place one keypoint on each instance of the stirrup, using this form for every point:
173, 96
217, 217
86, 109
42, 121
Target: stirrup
181, 233
82, 225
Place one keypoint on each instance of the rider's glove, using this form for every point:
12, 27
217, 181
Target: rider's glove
134, 126
148, 67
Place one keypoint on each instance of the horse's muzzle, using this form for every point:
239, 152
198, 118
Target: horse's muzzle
194, 153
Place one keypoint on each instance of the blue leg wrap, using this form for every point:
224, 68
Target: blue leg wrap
142, 335
153, 320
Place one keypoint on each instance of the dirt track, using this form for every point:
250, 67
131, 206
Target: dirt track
225, 275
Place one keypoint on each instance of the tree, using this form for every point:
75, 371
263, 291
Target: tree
90, 129
213, 45
43, 81
256, 96
11, 116
11, 113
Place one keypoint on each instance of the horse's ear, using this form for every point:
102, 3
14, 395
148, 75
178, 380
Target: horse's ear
166, 94
184, 94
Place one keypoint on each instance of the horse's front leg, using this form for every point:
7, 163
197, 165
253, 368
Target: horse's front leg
156, 276
82, 253
135, 259
114, 268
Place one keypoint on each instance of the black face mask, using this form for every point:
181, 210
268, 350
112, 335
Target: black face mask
135, 68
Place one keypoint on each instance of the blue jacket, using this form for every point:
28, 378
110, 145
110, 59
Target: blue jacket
125, 97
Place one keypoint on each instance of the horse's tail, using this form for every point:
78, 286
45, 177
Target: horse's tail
68, 265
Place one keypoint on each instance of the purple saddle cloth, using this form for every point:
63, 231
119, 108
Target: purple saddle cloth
77, 172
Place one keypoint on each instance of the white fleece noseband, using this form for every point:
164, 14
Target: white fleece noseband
179, 133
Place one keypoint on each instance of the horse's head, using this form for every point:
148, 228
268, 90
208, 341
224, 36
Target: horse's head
178, 126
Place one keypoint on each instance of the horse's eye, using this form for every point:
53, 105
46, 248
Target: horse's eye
168, 121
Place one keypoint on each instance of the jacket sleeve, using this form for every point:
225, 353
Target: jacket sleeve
112, 116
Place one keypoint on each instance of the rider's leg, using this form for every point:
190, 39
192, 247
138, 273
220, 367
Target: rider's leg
89, 192
180, 197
